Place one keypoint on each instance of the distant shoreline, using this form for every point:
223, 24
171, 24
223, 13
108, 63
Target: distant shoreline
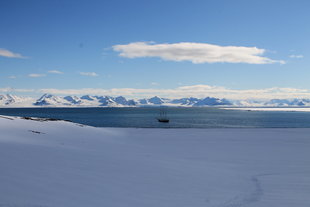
287, 109
269, 108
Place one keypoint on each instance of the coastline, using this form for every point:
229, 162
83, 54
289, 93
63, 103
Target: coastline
285, 109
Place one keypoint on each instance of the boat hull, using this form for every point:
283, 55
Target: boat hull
163, 120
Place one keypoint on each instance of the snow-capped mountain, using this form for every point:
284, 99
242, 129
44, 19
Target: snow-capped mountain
185, 101
287, 102
156, 100
88, 97
7, 99
11, 100
152, 101
73, 99
106, 101
209, 101
49, 100
122, 100
273, 103
84, 101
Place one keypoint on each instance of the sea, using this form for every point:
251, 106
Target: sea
180, 117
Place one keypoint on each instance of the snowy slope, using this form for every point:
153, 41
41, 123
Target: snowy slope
56, 163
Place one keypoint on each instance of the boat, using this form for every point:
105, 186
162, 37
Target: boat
163, 116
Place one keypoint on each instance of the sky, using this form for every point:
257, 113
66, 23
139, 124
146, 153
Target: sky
170, 48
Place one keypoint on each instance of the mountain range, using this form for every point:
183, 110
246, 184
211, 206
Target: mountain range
49, 100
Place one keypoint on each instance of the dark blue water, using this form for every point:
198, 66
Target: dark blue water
179, 117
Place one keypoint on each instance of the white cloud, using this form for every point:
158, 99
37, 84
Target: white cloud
19, 90
296, 56
154, 84
5, 90
55, 72
9, 54
36, 75
195, 52
92, 74
12, 77
198, 91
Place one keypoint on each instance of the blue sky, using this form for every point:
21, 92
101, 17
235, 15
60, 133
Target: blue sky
145, 48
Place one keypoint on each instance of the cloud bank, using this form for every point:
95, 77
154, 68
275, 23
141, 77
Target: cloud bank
195, 52
9, 54
17, 90
199, 91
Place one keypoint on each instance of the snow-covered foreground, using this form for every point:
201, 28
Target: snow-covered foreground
62, 164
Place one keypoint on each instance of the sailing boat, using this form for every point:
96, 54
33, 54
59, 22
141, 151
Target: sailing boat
163, 116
